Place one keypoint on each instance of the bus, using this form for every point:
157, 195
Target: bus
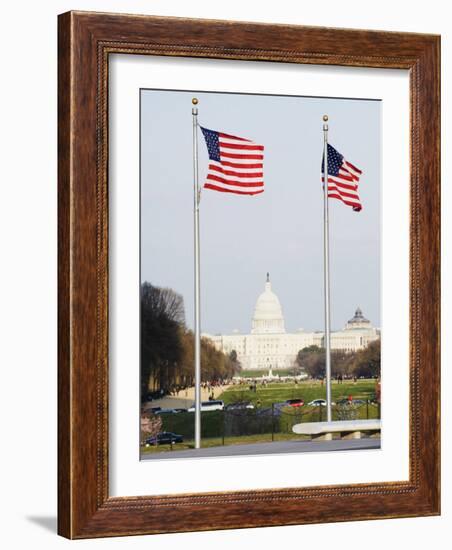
214, 405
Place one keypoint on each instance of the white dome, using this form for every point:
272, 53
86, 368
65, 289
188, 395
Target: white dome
268, 316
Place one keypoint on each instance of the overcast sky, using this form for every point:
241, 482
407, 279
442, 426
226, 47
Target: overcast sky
279, 231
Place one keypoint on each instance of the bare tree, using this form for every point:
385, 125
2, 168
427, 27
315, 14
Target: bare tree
162, 320
163, 303
368, 360
312, 360
167, 346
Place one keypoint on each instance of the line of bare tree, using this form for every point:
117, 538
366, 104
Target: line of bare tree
167, 345
362, 363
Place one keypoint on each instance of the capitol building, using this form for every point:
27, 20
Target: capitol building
269, 346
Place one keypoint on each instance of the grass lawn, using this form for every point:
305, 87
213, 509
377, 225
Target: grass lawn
307, 390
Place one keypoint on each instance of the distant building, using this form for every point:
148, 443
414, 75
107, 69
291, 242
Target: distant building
270, 347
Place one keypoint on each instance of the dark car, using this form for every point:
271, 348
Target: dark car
164, 438
295, 402
347, 401
169, 411
240, 405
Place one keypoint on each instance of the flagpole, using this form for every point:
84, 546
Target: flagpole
196, 197
326, 270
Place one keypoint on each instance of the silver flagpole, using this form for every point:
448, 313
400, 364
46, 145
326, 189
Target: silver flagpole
196, 197
326, 270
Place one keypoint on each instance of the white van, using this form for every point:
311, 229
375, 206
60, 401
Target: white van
214, 405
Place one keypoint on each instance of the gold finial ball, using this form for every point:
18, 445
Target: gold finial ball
325, 118
195, 101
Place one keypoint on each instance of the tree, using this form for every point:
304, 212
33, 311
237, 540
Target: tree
163, 303
312, 360
342, 362
151, 426
167, 346
236, 365
186, 365
216, 365
162, 317
368, 361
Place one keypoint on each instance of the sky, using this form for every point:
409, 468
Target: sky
279, 231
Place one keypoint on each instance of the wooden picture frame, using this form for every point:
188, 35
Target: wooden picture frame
86, 40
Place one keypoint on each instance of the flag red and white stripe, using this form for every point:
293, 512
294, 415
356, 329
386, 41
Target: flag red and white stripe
343, 178
236, 164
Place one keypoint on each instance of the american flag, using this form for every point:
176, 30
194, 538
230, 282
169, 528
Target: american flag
236, 164
343, 179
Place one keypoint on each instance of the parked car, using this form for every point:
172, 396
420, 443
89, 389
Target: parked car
154, 409
294, 402
318, 403
164, 438
347, 401
214, 405
239, 406
169, 411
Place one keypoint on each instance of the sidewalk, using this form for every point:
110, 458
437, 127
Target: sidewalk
275, 447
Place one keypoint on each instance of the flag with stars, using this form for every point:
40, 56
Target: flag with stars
343, 179
236, 165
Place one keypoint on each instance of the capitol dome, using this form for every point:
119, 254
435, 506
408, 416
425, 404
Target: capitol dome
268, 317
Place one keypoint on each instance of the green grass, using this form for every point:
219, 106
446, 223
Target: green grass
183, 423
308, 391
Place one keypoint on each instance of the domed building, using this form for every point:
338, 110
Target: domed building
270, 347
268, 317
358, 333
358, 321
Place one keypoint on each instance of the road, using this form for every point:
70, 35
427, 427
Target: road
275, 447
